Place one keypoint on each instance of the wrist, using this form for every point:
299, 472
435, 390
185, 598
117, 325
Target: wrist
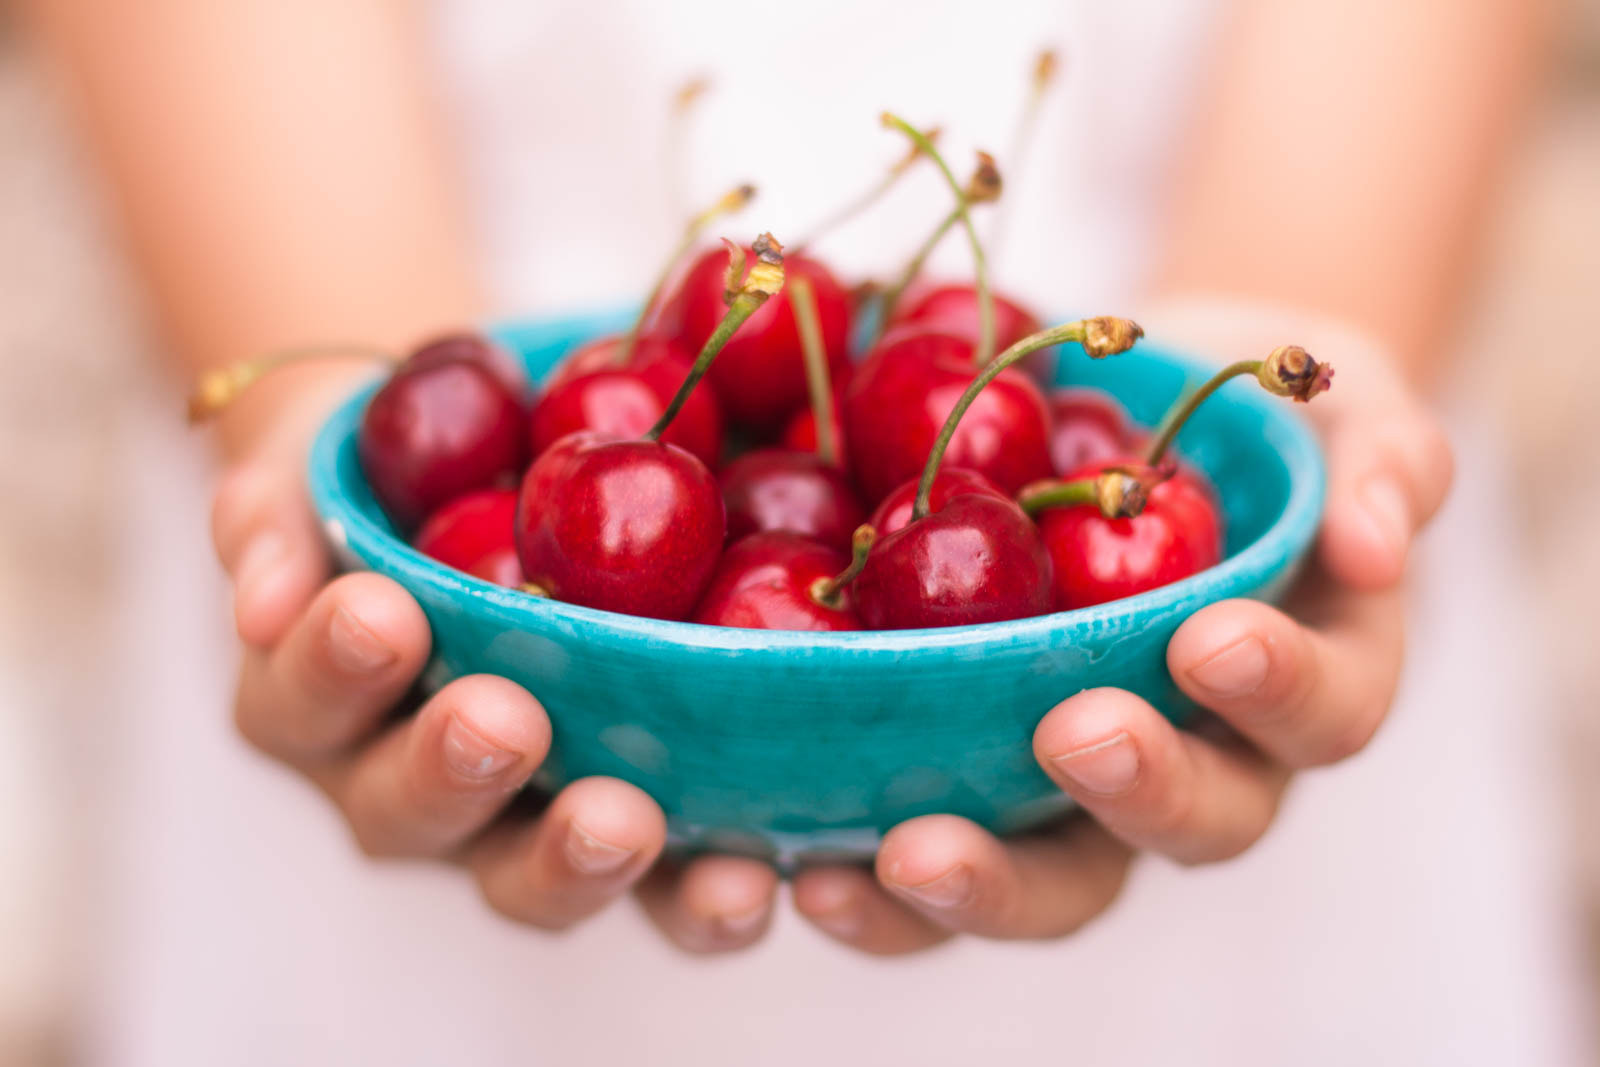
279, 414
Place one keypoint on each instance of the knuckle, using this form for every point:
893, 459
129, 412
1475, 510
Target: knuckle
1345, 743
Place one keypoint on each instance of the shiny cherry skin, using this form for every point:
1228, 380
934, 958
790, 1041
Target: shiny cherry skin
894, 511
475, 533
764, 583
435, 432
900, 396
626, 402
953, 308
470, 347
1088, 426
777, 489
631, 526
800, 433
1097, 559
976, 559
760, 377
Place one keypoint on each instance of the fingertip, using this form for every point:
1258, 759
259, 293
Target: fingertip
611, 825
935, 860
1365, 536
384, 613
500, 712
726, 903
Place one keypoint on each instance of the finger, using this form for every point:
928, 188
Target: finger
1307, 696
849, 905
712, 903
961, 877
433, 781
267, 538
349, 659
1389, 471
1152, 785
594, 840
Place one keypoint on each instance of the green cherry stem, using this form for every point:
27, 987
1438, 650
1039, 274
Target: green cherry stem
1035, 499
1179, 413
766, 279
980, 266
891, 297
804, 301
1100, 337
826, 591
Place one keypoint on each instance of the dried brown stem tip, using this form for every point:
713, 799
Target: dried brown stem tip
1107, 336
914, 153
1124, 492
1044, 69
1289, 370
691, 91
984, 186
766, 275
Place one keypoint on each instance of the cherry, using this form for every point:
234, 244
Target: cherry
760, 376
904, 391
976, 559
592, 393
894, 511
475, 533
1089, 426
470, 347
778, 580
776, 489
800, 433
953, 308
435, 432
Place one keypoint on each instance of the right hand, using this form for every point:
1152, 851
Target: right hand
326, 662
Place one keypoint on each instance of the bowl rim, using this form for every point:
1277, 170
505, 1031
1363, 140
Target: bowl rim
351, 529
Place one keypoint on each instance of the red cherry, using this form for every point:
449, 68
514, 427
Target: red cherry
901, 395
590, 392
760, 376
954, 309
628, 526
1089, 427
894, 511
470, 347
801, 432
435, 432
764, 582
474, 533
1097, 559
976, 559
775, 489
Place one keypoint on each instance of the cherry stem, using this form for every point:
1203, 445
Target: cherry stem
683, 105
1099, 336
765, 279
1179, 413
215, 389
804, 301
980, 266
1035, 499
864, 200
891, 298
728, 203
826, 591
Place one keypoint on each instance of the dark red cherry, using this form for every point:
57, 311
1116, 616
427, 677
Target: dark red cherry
901, 395
1088, 426
470, 347
435, 432
765, 581
475, 533
1097, 559
976, 559
626, 401
760, 376
628, 526
775, 489
894, 511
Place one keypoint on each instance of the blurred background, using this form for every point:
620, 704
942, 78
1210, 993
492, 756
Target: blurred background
80, 372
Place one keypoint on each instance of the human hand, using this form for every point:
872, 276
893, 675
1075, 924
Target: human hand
1289, 690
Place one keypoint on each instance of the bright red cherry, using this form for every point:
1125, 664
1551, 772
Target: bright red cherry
435, 432
470, 347
627, 526
1089, 426
760, 376
769, 581
954, 309
976, 559
800, 434
592, 392
1096, 559
894, 511
475, 533
901, 395
776, 489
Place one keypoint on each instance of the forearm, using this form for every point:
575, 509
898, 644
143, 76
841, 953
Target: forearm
1347, 156
279, 172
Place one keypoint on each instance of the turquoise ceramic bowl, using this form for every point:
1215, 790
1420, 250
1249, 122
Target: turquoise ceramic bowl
798, 746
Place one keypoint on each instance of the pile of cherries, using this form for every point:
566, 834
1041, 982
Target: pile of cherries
931, 481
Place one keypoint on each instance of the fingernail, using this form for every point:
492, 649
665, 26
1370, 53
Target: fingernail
591, 855
258, 560
1106, 768
1236, 671
735, 927
472, 756
1388, 513
355, 648
951, 889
